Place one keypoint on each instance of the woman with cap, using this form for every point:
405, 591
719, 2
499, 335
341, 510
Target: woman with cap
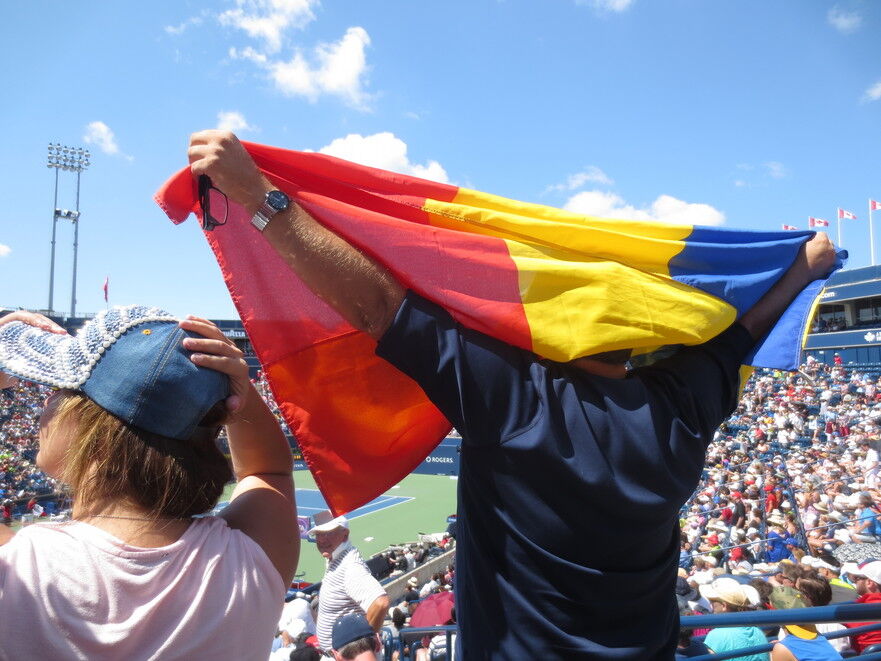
131, 429
799, 642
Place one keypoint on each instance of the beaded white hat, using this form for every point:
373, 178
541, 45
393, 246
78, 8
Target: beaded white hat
66, 361
128, 360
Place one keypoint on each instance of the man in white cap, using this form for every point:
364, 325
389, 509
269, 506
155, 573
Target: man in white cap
867, 579
347, 586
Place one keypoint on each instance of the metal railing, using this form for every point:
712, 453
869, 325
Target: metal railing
840, 613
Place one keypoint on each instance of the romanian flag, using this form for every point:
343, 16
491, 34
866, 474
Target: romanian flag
559, 284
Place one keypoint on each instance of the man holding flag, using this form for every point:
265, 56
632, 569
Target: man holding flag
572, 473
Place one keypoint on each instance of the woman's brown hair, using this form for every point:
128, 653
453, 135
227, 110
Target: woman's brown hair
108, 459
815, 589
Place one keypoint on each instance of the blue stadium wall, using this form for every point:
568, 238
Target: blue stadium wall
849, 294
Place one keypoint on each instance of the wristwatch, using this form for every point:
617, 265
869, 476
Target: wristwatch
274, 202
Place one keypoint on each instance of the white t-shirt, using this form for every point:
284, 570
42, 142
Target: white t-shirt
73, 591
296, 617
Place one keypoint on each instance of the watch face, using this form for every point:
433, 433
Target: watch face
277, 200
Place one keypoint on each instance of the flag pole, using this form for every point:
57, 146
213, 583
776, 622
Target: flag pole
838, 217
871, 234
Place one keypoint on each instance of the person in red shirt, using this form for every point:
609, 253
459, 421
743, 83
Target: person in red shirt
868, 584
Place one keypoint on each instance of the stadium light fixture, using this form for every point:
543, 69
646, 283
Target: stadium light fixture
68, 159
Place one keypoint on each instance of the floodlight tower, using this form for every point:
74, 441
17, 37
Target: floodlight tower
69, 159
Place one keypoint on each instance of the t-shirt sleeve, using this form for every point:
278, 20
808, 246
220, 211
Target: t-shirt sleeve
361, 586
485, 387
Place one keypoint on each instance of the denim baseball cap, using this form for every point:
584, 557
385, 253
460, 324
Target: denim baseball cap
128, 360
348, 628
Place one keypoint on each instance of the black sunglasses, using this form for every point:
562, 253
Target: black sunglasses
211, 218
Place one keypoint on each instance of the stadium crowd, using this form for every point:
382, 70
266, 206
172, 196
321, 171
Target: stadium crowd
789, 496
20, 479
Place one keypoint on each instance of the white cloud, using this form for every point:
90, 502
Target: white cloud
267, 20
844, 21
4, 250
607, 5
873, 93
248, 53
98, 133
590, 174
183, 26
776, 170
232, 120
758, 175
338, 70
665, 209
386, 151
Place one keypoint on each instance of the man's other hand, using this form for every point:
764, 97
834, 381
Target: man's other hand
220, 156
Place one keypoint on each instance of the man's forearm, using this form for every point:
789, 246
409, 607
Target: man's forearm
815, 259
362, 291
376, 613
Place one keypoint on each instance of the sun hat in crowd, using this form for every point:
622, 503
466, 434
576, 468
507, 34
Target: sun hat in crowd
819, 563
128, 360
784, 598
348, 628
729, 591
325, 522
413, 582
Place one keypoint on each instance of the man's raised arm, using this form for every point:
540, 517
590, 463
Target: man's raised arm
361, 290
815, 260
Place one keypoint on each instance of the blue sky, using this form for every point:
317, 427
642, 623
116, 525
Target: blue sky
741, 113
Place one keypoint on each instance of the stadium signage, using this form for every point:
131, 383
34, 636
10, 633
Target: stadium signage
439, 460
827, 294
236, 334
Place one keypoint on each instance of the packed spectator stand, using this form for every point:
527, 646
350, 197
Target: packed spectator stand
22, 484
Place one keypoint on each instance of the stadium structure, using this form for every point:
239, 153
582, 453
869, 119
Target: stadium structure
848, 319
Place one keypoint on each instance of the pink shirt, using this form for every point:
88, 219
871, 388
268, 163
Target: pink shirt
72, 591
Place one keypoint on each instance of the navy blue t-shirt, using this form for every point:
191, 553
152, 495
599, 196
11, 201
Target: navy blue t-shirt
570, 486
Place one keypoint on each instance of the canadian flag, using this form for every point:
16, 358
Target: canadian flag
874, 206
844, 215
106, 287
790, 227
817, 222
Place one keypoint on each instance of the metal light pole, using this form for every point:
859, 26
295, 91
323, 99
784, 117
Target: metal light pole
70, 159
54, 225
